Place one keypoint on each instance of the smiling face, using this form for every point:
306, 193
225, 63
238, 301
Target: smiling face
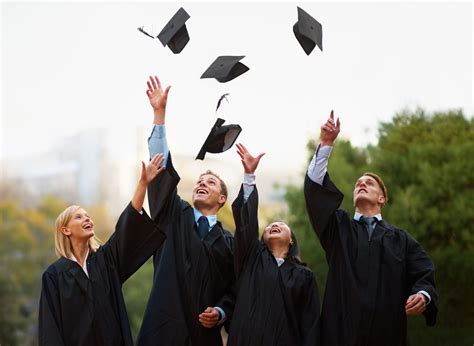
207, 193
80, 227
368, 191
277, 233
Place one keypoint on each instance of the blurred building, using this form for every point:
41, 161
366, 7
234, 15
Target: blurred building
102, 166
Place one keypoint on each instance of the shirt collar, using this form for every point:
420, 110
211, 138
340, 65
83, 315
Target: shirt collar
84, 268
357, 216
211, 218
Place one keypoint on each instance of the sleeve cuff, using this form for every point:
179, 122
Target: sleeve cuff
158, 132
426, 294
323, 150
222, 314
249, 179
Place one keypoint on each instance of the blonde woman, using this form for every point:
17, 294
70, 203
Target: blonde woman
81, 299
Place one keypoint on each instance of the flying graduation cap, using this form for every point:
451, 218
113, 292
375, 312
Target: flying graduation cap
308, 32
220, 139
225, 68
174, 34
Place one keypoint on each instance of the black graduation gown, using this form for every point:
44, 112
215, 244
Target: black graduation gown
275, 305
189, 274
77, 310
368, 282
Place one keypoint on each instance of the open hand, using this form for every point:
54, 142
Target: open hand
158, 98
152, 169
209, 317
330, 130
249, 162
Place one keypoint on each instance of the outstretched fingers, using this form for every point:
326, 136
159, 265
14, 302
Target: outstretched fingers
158, 83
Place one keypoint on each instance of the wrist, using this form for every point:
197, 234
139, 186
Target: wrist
142, 183
326, 143
159, 116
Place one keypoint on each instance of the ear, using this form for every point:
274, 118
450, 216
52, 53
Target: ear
381, 200
65, 231
222, 199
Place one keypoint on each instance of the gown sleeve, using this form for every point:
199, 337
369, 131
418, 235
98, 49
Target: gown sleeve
246, 229
135, 239
310, 321
163, 194
420, 271
322, 202
49, 313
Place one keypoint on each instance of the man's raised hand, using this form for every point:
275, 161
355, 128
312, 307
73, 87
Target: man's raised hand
158, 99
330, 130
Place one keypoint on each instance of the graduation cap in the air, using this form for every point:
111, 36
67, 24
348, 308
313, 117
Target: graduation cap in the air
220, 139
225, 68
308, 32
174, 34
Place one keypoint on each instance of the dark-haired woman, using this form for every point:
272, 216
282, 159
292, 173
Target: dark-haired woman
277, 300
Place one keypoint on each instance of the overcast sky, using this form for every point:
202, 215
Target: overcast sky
67, 67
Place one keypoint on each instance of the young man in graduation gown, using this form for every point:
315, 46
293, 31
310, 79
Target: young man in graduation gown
193, 271
378, 274
278, 299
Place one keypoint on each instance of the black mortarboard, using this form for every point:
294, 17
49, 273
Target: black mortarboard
220, 139
174, 34
308, 32
225, 68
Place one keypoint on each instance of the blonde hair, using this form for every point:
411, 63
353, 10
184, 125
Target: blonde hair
62, 242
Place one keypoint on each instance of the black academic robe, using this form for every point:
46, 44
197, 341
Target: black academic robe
189, 274
275, 305
368, 282
77, 310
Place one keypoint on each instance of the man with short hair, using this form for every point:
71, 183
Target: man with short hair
378, 274
192, 293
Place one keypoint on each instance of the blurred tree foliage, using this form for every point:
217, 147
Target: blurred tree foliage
427, 164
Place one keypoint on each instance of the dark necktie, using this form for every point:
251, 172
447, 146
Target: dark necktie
203, 227
370, 222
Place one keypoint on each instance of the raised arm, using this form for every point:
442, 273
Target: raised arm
245, 211
157, 142
136, 236
162, 193
321, 195
148, 173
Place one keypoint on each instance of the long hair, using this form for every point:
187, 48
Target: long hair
62, 243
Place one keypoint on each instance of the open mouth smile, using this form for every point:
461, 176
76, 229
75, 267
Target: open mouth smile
201, 192
88, 226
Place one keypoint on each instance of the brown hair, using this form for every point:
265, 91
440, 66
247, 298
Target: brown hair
223, 185
61, 241
381, 184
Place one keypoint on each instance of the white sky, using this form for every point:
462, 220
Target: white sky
72, 66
